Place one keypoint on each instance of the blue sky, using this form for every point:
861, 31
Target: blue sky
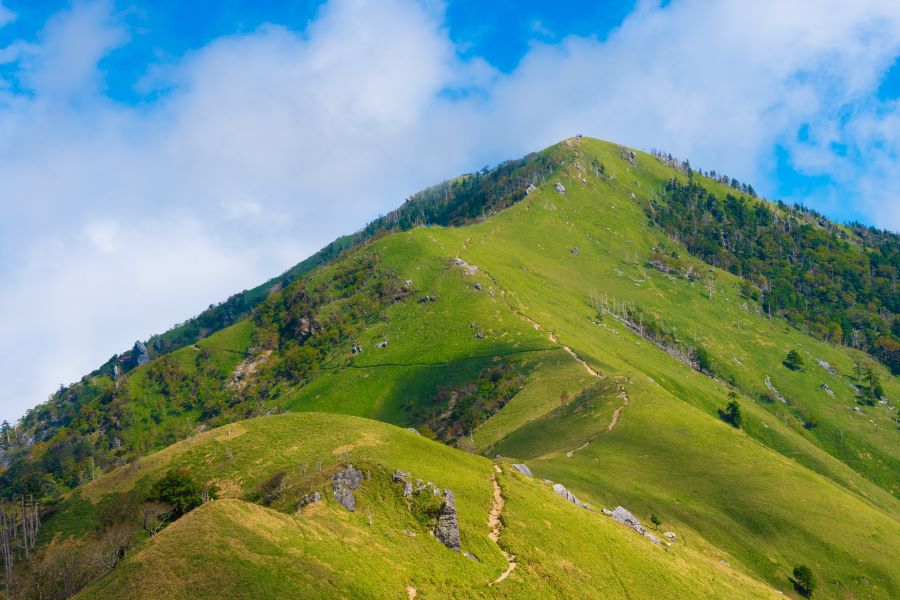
158, 156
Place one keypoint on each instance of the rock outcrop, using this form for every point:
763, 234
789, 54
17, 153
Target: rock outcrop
446, 529
139, 354
523, 469
403, 479
625, 517
344, 483
561, 490
308, 499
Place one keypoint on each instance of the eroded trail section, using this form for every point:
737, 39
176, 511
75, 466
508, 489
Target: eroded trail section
552, 337
623, 396
495, 526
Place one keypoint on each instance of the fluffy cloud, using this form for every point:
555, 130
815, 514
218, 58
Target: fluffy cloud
259, 148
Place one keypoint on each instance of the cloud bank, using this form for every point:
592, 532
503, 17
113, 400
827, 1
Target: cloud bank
252, 152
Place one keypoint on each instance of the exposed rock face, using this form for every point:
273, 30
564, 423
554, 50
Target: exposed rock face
446, 529
530, 189
562, 491
524, 470
404, 479
139, 354
308, 499
625, 517
344, 483
826, 366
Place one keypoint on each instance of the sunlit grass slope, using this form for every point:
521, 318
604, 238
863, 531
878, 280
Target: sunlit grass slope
234, 548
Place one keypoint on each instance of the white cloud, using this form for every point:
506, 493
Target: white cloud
262, 147
6, 16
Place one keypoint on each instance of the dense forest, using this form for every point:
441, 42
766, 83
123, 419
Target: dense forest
839, 283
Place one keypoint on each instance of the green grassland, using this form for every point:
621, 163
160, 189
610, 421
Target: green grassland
256, 552
616, 419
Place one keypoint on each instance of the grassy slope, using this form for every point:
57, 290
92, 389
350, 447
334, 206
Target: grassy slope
257, 552
670, 425
763, 499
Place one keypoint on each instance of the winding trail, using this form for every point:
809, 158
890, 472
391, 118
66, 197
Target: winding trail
615, 418
494, 524
623, 395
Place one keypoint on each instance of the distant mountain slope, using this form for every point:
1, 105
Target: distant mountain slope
565, 330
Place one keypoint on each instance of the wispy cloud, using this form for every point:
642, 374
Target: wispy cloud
259, 148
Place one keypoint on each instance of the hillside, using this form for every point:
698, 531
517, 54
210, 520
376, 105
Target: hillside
257, 551
572, 329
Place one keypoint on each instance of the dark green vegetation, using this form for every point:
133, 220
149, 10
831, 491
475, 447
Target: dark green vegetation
804, 582
565, 332
839, 283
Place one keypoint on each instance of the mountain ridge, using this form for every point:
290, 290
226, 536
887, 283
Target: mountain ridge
521, 335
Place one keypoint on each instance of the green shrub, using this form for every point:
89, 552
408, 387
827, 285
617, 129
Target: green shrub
803, 581
793, 361
178, 490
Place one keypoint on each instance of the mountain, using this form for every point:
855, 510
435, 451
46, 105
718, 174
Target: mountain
638, 333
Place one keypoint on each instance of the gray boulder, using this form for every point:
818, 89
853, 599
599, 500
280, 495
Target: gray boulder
625, 517
560, 188
403, 479
561, 490
446, 529
524, 470
344, 483
669, 535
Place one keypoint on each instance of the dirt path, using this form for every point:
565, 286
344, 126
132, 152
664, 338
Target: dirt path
494, 524
623, 395
615, 418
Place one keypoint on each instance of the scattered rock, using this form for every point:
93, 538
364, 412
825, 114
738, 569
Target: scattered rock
356, 349
403, 478
530, 189
472, 324
382, 344
479, 335
307, 500
574, 250
447, 527
408, 283
344, 483
425, 299
409, 533
477, 286
561, 490
139, 354
560, 188
858, 410
827, 390
771, 387
629, 155
470, 556
827, 367
652, 538
413, 430
669, 535
524, 470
